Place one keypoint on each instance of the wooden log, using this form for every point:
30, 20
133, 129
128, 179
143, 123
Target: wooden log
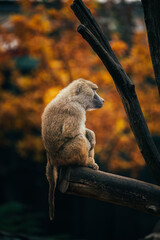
111, 188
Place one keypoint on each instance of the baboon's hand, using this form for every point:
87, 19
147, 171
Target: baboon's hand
90, 135
92, 164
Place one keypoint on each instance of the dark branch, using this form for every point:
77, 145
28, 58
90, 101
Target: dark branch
152, 20
85, 17
124, 86
113, 67
111, 188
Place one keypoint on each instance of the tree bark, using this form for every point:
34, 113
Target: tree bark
111, 188
92, 33
152, 20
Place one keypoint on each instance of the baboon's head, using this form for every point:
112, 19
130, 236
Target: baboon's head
85, 94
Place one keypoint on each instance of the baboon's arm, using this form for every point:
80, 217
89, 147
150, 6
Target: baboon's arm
70, 127
90, 135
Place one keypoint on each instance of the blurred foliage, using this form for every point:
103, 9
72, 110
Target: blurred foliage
40, 53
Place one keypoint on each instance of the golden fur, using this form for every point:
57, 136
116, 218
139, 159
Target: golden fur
65, 138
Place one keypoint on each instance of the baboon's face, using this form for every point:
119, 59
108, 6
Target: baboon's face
84, 92
95, 101
98, 102
88, 96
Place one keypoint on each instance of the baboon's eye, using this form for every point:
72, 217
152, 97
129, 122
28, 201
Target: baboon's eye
94, 89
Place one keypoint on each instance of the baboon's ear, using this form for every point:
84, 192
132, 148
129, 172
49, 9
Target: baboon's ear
78, 89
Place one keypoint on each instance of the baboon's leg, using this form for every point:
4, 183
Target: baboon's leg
91, 153
91, 161
76, 152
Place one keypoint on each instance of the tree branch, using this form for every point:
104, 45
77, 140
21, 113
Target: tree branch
85, 17
111, 188
93, 35
152, 20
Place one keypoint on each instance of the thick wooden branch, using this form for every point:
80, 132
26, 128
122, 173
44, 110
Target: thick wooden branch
152, 20
125, 87
111, 188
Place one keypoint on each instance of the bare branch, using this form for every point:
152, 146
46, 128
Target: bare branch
85, 17
124, 86
111, 188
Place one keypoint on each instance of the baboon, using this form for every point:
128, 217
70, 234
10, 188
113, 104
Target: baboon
66, 139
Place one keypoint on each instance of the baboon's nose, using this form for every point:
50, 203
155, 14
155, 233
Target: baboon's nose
102, 100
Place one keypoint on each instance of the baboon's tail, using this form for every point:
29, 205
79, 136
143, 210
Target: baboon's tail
52, 174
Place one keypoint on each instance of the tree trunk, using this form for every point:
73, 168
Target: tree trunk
152, 20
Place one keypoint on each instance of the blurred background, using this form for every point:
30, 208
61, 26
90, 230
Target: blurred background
40, 53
